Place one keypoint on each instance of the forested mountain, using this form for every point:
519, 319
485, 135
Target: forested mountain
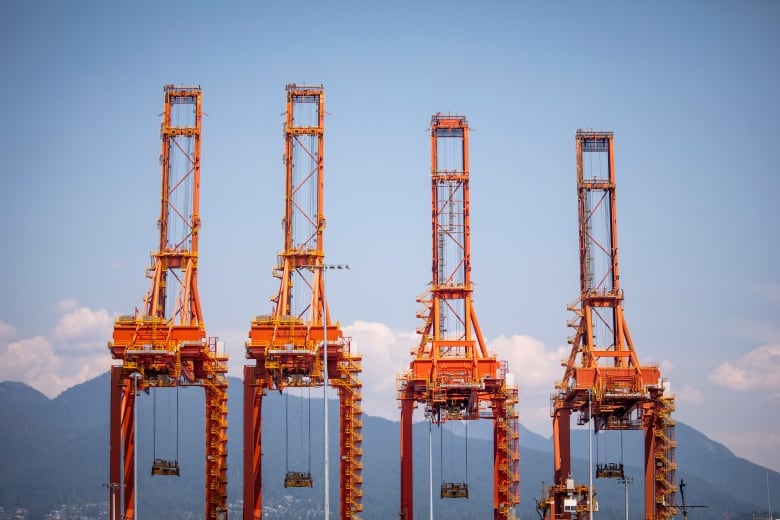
55, 451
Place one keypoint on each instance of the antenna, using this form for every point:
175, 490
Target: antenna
684, 507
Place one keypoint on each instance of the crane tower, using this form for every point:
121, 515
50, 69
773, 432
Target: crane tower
165, 345
289, 345
452, 372
603, 381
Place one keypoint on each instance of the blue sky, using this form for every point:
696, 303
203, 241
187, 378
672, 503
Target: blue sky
691, 91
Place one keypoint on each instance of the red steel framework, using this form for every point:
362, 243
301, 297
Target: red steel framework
603, 380
452, 372
287, 345
165, 345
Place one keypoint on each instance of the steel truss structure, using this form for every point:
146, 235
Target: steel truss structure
289, 345
452, 374
165, 345
603, 381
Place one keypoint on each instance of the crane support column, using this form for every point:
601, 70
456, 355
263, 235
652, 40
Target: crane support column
253, 470
452, 372
407, 471
117, 393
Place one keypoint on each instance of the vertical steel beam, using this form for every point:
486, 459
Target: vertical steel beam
128, 448
407, 467
115, 442
253, 490
649, 494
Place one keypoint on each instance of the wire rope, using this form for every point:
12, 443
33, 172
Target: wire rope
452, 454
467, 453
168, 445
441, 452
177, 423
154, 426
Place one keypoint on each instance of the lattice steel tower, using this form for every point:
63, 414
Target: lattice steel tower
603, 380
288, 345
452, 372
165, 345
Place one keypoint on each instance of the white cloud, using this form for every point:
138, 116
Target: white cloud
730, 376
6, 331
533, 365
84, 323
31, 361
689, 395
75, 352
234, 341
68, 304
385, 354
536, 369
758, 369
26, 357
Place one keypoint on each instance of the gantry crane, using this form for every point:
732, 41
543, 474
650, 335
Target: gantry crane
165, 345
603, 381
452, 372
289, 345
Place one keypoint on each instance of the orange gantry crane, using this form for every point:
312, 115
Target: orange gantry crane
297, 345
603, 381
452, 372
165, 345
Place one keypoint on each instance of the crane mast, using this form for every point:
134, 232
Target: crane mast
289, 344
603, 380
165, 344
452, 372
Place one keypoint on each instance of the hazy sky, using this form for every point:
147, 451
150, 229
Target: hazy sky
691, 91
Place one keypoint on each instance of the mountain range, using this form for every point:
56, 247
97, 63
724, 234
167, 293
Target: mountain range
55, 452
